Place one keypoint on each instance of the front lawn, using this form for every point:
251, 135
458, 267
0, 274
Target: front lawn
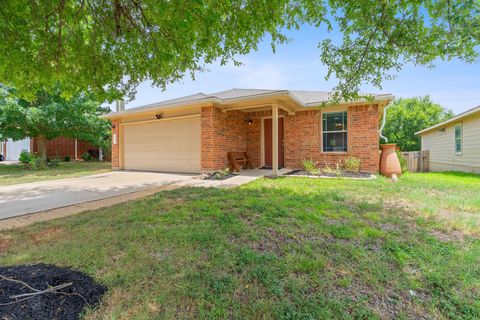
287, 248
17, 173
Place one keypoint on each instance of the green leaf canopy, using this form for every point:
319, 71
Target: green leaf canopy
407, 116
50, 116
110, 46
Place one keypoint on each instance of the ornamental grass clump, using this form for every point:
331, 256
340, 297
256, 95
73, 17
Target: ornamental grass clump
311, 167
352, 164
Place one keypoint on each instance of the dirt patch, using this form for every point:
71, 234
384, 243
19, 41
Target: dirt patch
388, 303
447, 237
46, 234
5, 243
18, 283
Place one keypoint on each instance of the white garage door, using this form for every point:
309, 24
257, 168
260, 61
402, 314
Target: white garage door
14, 148
166, 145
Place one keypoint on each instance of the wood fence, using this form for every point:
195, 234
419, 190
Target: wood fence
418, 161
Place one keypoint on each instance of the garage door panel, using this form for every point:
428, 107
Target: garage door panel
172, 145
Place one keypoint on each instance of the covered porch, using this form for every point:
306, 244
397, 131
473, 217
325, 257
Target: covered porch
257, 130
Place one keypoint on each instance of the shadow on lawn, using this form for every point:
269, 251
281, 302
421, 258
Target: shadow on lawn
347, 256
270, 249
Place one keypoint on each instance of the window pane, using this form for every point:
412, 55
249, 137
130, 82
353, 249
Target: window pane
335, 141
458, 131
458, 138
335, 121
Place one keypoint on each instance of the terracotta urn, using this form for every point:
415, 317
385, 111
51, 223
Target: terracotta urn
389, 163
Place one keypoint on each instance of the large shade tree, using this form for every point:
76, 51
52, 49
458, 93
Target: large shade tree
110, 46
407, 116
49, 116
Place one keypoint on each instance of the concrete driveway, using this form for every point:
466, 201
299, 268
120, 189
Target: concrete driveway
21, 199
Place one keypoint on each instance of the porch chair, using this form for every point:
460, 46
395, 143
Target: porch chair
235, 159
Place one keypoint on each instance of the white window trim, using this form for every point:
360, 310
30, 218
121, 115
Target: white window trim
322, 132
458, 153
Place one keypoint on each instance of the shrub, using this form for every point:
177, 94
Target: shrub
222, 173
310, 166
35, 162
53, 162
24, 157
87, 156
336, 171
403, 162
352, 164
66, 159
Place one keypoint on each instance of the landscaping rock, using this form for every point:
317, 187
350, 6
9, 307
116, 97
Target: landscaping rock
64, 304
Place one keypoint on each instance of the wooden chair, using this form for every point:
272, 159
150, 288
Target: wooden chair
237, 159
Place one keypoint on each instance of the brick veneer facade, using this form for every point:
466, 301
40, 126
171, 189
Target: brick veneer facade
115, 146
223, 132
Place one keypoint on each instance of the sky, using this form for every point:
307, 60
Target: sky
297, 66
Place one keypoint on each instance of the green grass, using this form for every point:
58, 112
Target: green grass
289, 248
14, 174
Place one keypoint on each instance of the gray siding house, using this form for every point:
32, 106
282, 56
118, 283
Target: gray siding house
454, 145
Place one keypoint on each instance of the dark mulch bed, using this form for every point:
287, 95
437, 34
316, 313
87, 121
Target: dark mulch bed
343, 174
66, 304
214, 176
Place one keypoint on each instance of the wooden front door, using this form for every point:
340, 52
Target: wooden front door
267, 134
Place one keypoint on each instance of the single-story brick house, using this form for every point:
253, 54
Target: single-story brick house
194, 133
56, 148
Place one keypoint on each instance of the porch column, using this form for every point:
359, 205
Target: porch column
275, 140
76, 153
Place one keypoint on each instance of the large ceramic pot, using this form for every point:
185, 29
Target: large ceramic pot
389, 163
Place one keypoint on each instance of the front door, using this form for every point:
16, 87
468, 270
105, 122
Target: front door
267, 134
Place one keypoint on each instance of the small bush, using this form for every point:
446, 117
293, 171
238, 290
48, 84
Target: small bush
66, 159
35, 162
310, 166
336, 171
352, 164
54, 162
24, 157
403, 162
87, 156
222, 173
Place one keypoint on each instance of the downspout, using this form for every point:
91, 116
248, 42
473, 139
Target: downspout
384, 120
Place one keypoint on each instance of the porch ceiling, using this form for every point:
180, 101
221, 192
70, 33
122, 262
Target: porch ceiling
283, 103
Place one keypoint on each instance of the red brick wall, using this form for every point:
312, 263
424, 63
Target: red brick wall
221, 132
254, 135
61, 147
115, 147
303, 138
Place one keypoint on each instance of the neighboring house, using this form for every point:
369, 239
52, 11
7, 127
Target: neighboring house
56, 148
454, 145
194, 133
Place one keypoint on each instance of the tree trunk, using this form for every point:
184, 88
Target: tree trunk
42, 147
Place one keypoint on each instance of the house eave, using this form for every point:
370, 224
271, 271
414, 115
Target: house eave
449, 121
225, 103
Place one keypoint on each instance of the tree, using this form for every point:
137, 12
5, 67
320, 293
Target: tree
109, 46
50, 116
407, 116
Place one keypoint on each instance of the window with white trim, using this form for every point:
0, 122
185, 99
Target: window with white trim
334, 131
458, 138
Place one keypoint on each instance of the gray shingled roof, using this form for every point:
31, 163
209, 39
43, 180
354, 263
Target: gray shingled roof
303, 98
